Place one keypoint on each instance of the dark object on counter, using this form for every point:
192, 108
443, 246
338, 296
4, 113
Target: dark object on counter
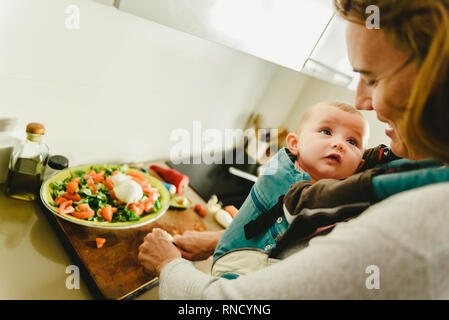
56, 163
179, 180
210, 179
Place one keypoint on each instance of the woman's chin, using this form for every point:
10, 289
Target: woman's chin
399, 149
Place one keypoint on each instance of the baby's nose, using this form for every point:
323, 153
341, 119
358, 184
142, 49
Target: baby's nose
339, 146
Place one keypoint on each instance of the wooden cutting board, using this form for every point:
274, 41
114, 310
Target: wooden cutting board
113, 272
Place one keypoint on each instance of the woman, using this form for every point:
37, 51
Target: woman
396, 249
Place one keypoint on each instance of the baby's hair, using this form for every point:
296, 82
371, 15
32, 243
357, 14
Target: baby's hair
337, 104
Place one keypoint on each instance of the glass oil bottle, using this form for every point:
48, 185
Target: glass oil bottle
27, 165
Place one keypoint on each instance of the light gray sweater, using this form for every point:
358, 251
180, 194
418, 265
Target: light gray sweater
397, 249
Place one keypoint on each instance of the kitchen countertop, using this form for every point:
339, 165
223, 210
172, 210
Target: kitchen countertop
33, 262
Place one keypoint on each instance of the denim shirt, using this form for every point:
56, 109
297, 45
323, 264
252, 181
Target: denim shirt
277, 176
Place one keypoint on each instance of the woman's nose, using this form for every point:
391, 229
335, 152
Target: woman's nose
363, 99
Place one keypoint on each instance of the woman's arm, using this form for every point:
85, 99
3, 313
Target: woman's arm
379, 255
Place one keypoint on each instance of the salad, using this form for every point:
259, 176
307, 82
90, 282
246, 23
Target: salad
107, 193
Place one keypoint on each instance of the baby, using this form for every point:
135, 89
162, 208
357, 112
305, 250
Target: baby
329, 142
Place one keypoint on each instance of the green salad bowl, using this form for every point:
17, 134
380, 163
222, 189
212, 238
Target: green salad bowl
47, 199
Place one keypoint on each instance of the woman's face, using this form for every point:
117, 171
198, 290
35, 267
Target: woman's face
386, 79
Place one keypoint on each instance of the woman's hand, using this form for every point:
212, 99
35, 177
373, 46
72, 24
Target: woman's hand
197, 245
156, 251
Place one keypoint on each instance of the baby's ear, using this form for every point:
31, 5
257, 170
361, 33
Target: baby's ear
362, 162
292, 143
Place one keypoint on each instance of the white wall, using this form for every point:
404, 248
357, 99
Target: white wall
280, 96
114, 89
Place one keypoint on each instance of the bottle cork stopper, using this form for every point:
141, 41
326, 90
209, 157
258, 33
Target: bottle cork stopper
35, 128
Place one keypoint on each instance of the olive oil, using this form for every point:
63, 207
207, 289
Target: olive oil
27, 165
23, 181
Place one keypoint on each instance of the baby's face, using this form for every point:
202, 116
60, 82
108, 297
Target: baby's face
331, 142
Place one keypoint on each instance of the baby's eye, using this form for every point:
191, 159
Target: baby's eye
325, 131
371, 83
353, 142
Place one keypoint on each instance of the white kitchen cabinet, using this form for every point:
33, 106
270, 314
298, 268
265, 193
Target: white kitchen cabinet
329, 59
298, 34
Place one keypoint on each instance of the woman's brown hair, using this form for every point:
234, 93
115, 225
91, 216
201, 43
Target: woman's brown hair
420, 27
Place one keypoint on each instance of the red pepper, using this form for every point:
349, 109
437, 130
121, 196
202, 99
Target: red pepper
172, 176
